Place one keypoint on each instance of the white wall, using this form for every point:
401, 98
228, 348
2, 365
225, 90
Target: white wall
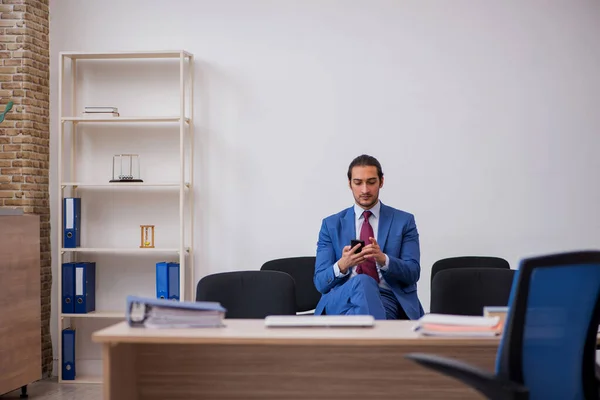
483, 114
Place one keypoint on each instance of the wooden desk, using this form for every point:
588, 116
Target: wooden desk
245, 360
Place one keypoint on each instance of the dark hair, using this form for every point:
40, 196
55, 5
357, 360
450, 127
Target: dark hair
365, 161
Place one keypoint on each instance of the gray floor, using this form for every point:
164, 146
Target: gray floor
49, 389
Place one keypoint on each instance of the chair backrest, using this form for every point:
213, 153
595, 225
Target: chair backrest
549, 340
250, 294
468, 262
465, 291
302, 269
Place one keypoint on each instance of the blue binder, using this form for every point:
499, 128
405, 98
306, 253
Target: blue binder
71, 221
85, 287
167, 280
68, 288
173, 284
68, 354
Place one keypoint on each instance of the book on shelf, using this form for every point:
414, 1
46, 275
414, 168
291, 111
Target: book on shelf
151, 312
458, 325
100, 109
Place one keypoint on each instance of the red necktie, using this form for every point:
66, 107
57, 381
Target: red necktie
366, 231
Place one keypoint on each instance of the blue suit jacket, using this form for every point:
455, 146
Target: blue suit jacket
398, 238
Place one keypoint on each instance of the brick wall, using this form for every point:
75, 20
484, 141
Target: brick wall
24, 135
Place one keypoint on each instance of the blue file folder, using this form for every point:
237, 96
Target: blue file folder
68, 288
173, 284
167, 280
71, 221
85, 287
68, 354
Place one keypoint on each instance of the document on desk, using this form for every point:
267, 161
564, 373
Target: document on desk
458, 326
163, 313
319, 321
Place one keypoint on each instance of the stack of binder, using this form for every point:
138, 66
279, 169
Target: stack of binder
78, 287
163, 313
167, 280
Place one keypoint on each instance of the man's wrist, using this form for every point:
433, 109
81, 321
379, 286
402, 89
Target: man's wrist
337, 272
342, 269
385, 264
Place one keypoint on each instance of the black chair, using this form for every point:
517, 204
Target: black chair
250, 294
548, 347
468, 262
465, 291
302, 269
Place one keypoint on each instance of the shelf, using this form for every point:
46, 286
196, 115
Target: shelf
117, 250
85, 379
124, 119
175, 125
131, 54
125, 184
97, 314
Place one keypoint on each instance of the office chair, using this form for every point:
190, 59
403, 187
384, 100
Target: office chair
302, 269
465, 291
250, 294
549, 342
468, 262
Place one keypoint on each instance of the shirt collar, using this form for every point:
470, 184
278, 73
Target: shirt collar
358, 211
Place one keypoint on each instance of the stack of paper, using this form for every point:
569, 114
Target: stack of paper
500, 312
163, 313
92, 111
458, 325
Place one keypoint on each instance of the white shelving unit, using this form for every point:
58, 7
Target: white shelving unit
72, 129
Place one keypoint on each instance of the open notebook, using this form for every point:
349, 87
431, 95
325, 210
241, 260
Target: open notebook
302, 321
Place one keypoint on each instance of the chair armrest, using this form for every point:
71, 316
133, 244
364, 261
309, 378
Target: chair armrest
488, 384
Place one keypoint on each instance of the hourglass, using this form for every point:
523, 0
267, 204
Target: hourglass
147, 236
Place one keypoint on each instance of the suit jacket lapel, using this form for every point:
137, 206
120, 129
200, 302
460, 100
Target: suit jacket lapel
348, 228
385, 222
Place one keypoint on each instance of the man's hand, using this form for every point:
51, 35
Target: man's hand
349, 259
374, 252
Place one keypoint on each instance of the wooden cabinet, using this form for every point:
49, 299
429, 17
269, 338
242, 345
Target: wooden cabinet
20, 320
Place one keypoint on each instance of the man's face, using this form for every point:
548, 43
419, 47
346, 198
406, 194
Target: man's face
365, 185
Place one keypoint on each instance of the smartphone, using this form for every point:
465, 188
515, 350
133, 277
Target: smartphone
355, 242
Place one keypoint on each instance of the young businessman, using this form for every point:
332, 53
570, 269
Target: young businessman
381, 278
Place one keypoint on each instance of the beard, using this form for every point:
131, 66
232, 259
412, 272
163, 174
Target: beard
366, 202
